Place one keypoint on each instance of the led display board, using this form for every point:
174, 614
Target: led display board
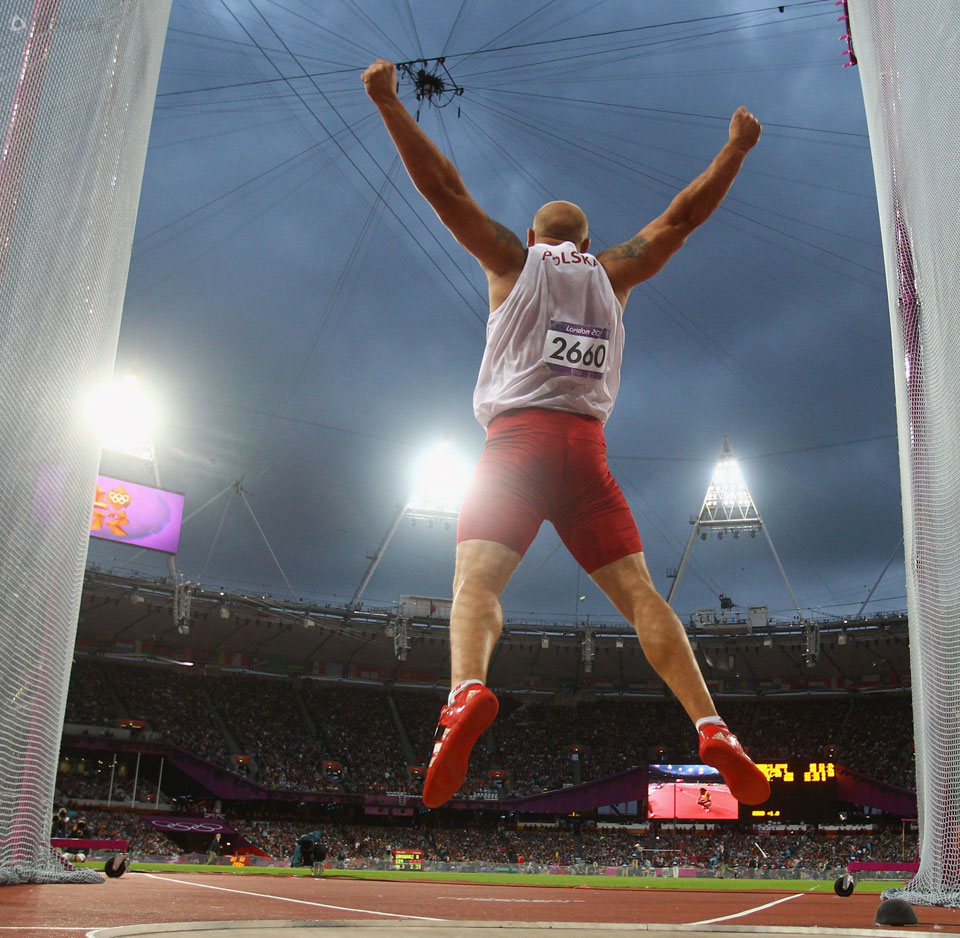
135, 514
689, 792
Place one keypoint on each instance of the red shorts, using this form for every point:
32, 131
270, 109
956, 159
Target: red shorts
548, 465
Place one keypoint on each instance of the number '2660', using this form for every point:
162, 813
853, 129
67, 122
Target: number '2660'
592, 356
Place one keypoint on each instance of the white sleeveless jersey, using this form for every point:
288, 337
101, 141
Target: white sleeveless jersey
556, 341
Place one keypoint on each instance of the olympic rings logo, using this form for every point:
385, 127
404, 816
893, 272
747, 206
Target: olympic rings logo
196, 827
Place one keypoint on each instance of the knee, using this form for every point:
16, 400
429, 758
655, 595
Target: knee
483, 569
474, 585
645, 602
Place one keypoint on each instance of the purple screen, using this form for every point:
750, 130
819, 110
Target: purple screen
130, 513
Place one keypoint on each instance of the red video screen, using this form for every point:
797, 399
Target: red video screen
690, 793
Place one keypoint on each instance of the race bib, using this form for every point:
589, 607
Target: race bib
575, 349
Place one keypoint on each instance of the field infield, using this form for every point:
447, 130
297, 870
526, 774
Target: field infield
722, 884
159, 898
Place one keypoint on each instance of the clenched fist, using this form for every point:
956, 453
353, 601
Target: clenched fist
744, 129
380, 80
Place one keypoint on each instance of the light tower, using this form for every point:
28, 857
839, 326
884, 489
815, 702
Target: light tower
441, 478
123, 415
728, 509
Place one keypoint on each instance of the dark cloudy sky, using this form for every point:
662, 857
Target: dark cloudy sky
309, 328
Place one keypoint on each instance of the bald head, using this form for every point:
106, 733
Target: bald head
560, 221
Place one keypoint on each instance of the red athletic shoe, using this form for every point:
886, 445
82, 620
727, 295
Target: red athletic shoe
460, 726
721, 749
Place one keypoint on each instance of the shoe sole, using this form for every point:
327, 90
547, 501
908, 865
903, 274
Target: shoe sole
746, 782
446, 775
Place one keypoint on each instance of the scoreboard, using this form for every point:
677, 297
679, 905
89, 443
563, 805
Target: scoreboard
407, 859
799, 791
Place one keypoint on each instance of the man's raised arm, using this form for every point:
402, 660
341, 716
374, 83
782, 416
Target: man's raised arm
498, 249
643, 255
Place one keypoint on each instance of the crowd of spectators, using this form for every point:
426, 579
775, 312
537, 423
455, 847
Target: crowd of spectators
91, 699
418, 712
267, 720
360, 735
98, 777
142, 839
878, 741
619, 734
807, 849
171, 702
779, 723
735, 851
275, 838
310, 735
727, 853
90, 787
542, 734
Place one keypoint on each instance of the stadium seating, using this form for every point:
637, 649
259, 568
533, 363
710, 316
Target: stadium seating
314, 736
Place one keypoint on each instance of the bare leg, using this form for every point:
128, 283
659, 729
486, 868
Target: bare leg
476, 620
662, 637
483, 570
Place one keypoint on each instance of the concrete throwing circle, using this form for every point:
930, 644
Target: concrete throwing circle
301, 929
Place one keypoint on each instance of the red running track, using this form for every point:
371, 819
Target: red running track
140, 898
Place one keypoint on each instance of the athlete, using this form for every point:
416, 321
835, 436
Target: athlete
548, 380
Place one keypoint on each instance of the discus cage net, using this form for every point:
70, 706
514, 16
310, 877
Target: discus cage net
910, 75
77, 85
77, 82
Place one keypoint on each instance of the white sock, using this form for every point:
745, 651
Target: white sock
706, 721
456, 690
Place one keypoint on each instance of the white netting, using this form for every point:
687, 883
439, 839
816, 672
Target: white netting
77, 84
909, 59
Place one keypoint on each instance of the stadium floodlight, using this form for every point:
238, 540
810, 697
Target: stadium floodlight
728, 498
728, 508
123, 417
440, 480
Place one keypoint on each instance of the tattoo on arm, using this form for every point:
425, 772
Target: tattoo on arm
634, 249
504, 234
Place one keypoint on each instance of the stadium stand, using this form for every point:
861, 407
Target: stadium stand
354, 845
360, 734
312, 736
266, 718
316, 736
